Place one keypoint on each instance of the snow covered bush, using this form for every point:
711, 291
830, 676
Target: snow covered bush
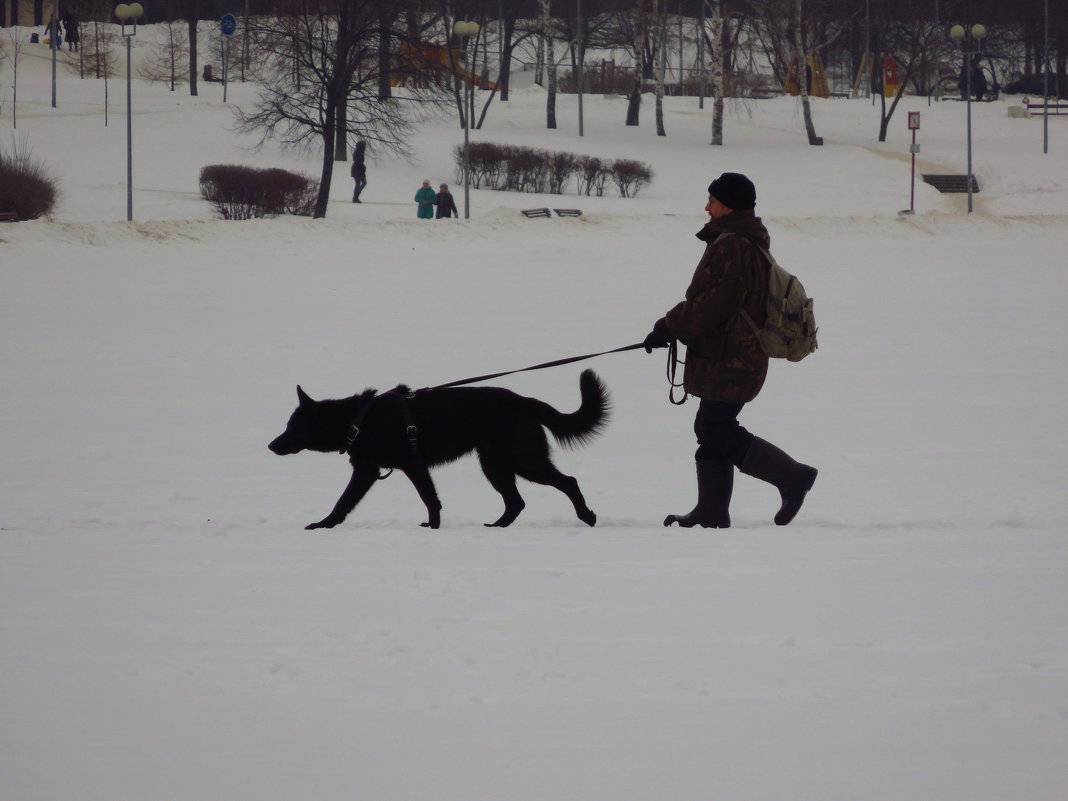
27, 188
242, 193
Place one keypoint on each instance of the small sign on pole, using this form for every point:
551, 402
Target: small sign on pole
227, 25
914, 125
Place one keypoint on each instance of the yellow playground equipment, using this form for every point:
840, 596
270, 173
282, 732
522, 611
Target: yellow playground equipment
411, 60
816, 79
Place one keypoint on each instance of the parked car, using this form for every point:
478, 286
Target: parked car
1032, 85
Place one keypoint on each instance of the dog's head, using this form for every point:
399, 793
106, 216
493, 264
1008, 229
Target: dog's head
303, 431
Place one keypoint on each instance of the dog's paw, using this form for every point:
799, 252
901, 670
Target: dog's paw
327, 523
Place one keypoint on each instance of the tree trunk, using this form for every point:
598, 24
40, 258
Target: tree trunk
385, 91
341, 137
659, 23
327, 174
193, 56
716, 66
802, 77
550, 64
634, 103
505, 78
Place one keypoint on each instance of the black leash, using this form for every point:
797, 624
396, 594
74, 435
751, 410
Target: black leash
555, 363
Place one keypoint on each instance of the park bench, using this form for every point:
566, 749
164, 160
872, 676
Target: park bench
549, 212
951, 184
1039, 108
8, 216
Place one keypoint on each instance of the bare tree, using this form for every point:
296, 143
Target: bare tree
658, 13
548, 33
640, 24
10, 51
168, 60
717, 69
320, 60
802, 80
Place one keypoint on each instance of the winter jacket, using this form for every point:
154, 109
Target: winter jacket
446, 205
426, 197
724, 361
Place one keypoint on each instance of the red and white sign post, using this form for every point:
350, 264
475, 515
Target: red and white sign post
914, 125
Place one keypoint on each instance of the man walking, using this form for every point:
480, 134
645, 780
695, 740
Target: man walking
725, 365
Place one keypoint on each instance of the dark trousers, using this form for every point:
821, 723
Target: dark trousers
719, 434
360, 184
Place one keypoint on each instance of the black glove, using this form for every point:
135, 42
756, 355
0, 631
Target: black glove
659, 337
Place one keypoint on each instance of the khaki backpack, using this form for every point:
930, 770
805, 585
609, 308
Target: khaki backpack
789, 331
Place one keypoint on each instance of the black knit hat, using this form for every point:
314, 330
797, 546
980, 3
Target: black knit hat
734, 191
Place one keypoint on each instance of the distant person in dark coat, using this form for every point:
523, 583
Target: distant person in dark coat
359, 170
978, 83
445, 203
70, 29
725, 363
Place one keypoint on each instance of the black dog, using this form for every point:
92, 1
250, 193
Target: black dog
413, 432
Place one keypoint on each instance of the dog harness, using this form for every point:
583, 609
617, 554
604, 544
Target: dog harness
404, 394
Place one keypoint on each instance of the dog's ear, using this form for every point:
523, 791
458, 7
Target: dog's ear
302, 396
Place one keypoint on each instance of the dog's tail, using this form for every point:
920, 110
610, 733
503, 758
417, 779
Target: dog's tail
579, 427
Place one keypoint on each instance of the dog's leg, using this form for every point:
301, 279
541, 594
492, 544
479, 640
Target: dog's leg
424, 485
546, 473
363, 478
502, 478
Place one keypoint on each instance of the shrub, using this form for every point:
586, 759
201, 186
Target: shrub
242, 193
526, 169
630, 176
592, 175
27, 188
560, 167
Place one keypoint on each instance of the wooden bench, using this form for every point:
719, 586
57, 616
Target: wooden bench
8, 216
1052, 107
951, 184
537, 213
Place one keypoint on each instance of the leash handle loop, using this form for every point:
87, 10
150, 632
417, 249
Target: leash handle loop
673, 362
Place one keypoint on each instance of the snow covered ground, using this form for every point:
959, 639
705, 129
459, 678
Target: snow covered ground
169, 632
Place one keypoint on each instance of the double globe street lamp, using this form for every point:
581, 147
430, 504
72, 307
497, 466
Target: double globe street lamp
970, 42
465, 30
129, 13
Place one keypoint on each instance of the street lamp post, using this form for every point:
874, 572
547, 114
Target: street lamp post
970, 43
465, 30
1045, 81
129, 13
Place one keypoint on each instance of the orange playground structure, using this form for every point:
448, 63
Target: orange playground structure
412, 60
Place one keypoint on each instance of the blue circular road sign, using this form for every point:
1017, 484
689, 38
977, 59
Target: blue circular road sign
228, 24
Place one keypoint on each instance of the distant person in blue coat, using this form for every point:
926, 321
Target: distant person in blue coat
426, 198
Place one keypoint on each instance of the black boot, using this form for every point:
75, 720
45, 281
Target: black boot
715, 482
793, 479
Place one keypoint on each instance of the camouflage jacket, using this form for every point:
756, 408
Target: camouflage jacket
724, 361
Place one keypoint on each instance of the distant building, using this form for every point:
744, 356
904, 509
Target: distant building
27, 13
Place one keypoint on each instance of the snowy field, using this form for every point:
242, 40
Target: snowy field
169, 632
